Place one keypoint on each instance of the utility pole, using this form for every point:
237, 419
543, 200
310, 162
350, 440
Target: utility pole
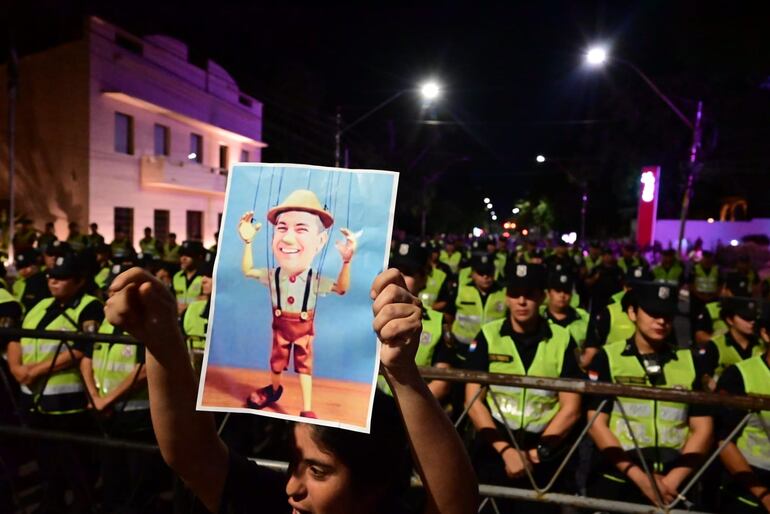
13, 90
691, 173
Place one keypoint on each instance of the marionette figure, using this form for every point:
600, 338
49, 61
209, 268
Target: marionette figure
301, 231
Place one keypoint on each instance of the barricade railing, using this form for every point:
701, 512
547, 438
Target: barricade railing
750, 403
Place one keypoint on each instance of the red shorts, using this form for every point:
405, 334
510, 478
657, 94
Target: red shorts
290, 330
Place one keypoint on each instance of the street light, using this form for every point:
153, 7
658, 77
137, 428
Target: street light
486, 200
597, 56
516, 210
429, 91
540, 158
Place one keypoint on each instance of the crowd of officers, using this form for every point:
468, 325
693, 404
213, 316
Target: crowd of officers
560, 311
556, 312
91, 388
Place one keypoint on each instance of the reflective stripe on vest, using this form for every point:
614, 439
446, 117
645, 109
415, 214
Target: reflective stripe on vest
525, 408
706, 283
429, 339
429, 295
729, 356
185, 295
471, 314
101, 277
112, 364
754, 441
171, 254
195, 325
621, 326
655, 424
34, 350
149, 247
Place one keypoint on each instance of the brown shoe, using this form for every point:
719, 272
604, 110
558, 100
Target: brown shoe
263, 397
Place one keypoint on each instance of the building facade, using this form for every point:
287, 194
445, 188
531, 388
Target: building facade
126, 132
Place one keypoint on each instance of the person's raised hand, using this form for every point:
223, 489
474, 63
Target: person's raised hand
247, 229
348, 247
397, 320
142, 306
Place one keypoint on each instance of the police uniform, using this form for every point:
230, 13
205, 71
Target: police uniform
31, 290
196, 317
575, 319
723, 351
453, 260
750, 376
187, 289
472, 307
660, 427
149, 246
548, 351
607, 280
705, 281
673, 275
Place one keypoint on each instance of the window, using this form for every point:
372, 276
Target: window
196, 148
124, 133
195, 225
160, 224
244, 156
124, 221
223, 158
162, 136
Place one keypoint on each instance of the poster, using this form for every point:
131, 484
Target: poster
290, 327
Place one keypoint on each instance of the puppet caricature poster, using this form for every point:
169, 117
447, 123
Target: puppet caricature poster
290, 330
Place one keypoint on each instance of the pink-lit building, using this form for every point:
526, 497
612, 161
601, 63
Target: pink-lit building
128, 133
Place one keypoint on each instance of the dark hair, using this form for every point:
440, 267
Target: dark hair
379, 460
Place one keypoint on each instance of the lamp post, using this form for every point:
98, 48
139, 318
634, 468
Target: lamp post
598, 56
429, 90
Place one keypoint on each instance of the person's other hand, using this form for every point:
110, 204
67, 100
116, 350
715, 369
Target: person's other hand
348, 247
397, 319
22, 374
515, 462
141, 305
247, 229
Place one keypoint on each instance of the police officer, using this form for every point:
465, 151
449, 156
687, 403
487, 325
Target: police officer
744, 269
25, 236
669, 270
103, 264
630, 258
30, 286
739, 342
187, 281
47, 237
411, 259
558, 310
604, 280
116, 379
450, 255
438, 280
53, 396
196, 315
479, 300
612, 323
75, 239
501, 256
704, 282
171, 253
747, 456
708, 322
149, 245
94, 239
522, 343
121, 246
594, 257
665, 430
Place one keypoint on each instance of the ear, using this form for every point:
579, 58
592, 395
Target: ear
631, 312
323, 238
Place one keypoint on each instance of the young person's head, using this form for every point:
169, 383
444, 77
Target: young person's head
190, 255
339, 471
608, 256
635, 275
707, 259
524, 293
147, 232
27, 263
651, 306
559, 291
668, 258
740, 314
483, 272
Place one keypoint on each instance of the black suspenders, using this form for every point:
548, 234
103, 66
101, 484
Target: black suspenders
305, 298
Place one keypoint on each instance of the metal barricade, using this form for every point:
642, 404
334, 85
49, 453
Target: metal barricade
488, 492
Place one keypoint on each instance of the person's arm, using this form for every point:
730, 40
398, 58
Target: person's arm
65, 359
439, 455
19, 371
248, 230
188, 439
347, 249
561, 424
87, 372
694, 450
741, 471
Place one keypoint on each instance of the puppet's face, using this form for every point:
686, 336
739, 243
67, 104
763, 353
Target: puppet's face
298, 237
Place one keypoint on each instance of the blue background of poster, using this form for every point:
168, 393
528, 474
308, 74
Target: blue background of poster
345, 346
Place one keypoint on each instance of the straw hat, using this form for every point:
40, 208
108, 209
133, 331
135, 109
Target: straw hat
301, 200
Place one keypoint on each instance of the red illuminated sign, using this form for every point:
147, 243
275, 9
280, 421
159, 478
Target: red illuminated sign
649, 182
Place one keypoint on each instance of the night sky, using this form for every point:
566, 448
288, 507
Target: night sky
515, 88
